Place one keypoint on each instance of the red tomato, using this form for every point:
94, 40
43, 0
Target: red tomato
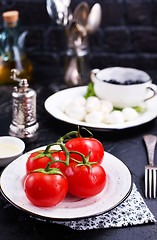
84, 182
42, 162
84, 146
45, 190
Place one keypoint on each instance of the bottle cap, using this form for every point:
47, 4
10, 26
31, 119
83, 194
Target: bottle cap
10, 16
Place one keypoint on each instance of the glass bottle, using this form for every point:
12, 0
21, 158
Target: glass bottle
12, 54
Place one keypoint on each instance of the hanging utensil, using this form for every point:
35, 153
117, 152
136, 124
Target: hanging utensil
76, 70
94, 18
59, 11
74, 35
51, 9
66, 3
80, 15
72, 76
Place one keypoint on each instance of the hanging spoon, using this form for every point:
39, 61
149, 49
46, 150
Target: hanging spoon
51, 9
75, 34
59, 11
94, 18
81, 14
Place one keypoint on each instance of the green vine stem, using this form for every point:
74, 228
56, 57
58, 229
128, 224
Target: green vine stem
84, 159
67, 136
48, 170
60, 142
63, 147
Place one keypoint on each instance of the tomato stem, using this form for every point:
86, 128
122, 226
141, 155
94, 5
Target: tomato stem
91, 134
78, 134
63, 147
48, 170
85, 160
47, 149
66, 153
67, 135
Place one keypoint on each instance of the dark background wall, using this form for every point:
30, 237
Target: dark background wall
127, 35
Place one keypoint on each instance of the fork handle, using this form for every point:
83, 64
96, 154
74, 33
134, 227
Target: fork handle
150, 141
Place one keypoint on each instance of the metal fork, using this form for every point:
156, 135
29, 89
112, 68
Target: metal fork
150, 170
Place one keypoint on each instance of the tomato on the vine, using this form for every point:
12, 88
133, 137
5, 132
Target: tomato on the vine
50, 174
84, 146
35, 161
46, 189
83, 181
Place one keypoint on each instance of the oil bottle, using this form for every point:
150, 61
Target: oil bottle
12, 53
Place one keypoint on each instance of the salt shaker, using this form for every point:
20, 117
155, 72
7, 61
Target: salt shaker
24, 123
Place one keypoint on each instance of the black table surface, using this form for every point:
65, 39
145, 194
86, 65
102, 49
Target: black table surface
126, 144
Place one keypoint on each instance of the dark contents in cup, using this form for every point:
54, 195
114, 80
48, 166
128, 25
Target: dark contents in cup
127, 82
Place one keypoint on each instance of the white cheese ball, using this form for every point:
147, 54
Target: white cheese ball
94, 117
80, 101
92, 104
76, 112
65, 104
115, 117
129, 113
106, 106
105, 117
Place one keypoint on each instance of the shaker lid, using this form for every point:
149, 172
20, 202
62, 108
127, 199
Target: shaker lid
10, 16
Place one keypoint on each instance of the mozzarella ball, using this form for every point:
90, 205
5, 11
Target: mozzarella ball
115, 117
65, 104
106, 106
80, 101
76, 112
94, 117
92, 104
105, 117
129, 113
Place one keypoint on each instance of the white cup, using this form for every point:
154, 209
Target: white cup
122, 95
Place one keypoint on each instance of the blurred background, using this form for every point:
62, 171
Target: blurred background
127, 35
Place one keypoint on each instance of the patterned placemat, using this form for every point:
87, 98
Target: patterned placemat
132, 211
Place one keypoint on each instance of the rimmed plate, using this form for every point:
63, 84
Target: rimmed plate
117, 189
54, 102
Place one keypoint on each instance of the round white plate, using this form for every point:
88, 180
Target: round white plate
54, 102
118, 187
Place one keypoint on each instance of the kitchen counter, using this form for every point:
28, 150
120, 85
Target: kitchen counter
127, 145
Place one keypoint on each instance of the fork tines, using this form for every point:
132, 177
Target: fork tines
150, 181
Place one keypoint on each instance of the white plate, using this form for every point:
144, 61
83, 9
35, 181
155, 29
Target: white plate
118, 187
54, 102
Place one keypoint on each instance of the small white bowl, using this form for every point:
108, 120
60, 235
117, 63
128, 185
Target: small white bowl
10, 149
